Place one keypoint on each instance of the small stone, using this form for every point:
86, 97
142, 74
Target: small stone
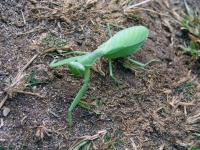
6, 111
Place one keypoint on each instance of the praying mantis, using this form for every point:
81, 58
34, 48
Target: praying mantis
123, 43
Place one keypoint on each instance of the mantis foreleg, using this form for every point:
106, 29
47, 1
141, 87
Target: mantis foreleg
79, 95
75, 52
54, 63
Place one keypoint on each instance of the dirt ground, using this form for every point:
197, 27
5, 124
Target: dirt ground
157, 108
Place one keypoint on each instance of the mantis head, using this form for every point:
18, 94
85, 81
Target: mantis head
76, 68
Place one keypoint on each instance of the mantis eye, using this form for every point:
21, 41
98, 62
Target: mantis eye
76, 68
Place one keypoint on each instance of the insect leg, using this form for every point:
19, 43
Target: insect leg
111, 74
75, 52
54, 63
115, 25
79, 95
141, 64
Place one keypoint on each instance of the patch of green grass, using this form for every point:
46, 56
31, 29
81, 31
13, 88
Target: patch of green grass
189, 88
31, 81
135, 16
195, 148
192, 48
196, 134
197, 131
8, 82
191, 23
24, 146
130, 2
87, 105
113, 138
53, 42
107, 137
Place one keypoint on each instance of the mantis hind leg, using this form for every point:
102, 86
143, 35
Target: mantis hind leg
141, 65
110, 61
79, 95
111, 74
112, 24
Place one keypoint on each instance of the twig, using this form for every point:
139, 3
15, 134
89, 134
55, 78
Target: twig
30, 93
38, 28
183, 104
132, 6
2, 73
19, 76
128, 10
133, 144
86, 139
3, 101
23, 17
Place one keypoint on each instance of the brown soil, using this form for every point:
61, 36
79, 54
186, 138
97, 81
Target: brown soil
154, 109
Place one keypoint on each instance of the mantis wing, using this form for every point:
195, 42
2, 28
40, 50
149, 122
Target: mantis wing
125, 42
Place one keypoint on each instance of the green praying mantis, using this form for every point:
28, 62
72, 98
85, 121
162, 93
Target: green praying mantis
123, 43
